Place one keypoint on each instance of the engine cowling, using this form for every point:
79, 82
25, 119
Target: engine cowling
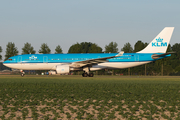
62, 69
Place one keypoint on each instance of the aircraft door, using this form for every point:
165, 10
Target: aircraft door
136, 57
19, 60
45, 59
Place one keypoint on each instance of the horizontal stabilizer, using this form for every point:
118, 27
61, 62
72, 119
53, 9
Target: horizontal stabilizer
155, 56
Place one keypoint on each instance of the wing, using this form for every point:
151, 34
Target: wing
94, 61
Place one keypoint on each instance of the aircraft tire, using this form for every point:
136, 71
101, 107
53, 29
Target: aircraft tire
85, 74
22, 75
91, 74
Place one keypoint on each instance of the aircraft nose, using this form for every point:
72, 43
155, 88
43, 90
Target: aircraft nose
5, 62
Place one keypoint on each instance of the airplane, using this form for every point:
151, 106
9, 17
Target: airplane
87, 62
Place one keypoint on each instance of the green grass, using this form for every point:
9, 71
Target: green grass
53, 97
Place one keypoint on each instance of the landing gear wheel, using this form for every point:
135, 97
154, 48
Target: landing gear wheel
91, 74
85, 74
22, 75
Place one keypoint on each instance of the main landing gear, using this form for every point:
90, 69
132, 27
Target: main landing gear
86, 74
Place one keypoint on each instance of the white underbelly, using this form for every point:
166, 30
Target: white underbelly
52, 66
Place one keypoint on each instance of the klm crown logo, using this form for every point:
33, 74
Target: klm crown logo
159, 43
159, 40
32, 57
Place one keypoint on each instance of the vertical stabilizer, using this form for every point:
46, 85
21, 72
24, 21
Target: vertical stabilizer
160, 43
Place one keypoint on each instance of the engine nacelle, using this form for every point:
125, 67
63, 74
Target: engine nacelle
62, 69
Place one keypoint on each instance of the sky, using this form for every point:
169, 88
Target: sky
66, 22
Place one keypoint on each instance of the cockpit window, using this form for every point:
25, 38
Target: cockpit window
10, 59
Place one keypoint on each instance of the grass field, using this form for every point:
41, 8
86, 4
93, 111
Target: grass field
100, 97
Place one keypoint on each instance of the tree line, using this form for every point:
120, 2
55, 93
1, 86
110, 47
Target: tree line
84, 47
166, 66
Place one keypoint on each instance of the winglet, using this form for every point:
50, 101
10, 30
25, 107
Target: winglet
120, 54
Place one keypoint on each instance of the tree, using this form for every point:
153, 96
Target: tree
58, 49
0, 52
11, 50
76, 48
112, 47
169, 48
175, 58
176, 48
139, 46
95, 49
28, 49
44, 49
127, 48
85, 47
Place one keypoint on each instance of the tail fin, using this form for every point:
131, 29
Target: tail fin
160, 43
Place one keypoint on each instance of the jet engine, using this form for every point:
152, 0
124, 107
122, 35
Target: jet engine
62, 69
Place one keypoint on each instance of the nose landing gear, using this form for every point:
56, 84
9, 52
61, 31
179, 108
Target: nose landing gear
22, 73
